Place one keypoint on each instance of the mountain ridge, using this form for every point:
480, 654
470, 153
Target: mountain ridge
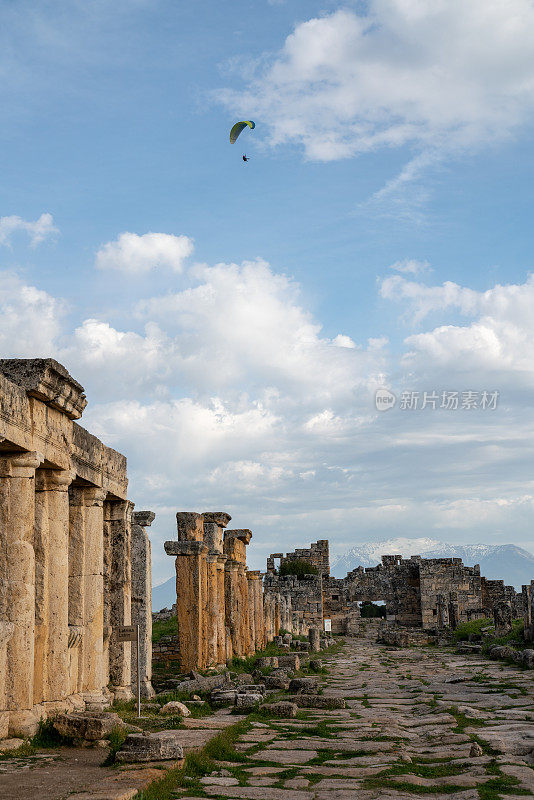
507, 562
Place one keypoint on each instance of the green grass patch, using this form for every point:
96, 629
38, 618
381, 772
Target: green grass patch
167, 627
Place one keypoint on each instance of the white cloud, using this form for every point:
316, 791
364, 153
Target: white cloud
434, 75
229, 394
38, 231
498, 343
410, 266
139, 254
30, 319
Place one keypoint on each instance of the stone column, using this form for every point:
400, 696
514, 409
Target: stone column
528, 601
142, 599
212, 610
86, 587
191, 584
221, 617
502, 615
17, 594
213, 535
231, 594
259, 630
442, 611
51, 545
6, 632
120, 596
314, 636
251, 615
244, 626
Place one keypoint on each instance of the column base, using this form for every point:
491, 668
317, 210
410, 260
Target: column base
147, 690
121, 692
97, 701
23, 724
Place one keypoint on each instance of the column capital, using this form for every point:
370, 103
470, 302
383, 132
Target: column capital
174, 548
53, 480
20, 465
253, 574
221, 559
220, 518
87, 496
190, 526
143, 518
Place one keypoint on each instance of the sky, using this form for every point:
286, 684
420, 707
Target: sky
232, 322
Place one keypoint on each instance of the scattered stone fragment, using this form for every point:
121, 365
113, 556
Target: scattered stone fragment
282, 709
159, 746
175, 707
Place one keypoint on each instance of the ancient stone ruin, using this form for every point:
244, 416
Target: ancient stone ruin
432, 594
75, 560
219, 606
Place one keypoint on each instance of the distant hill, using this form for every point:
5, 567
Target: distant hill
164, 595
508, 562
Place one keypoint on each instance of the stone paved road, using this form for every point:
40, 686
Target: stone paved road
419, 723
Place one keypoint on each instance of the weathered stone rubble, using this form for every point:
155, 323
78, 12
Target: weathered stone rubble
75, 564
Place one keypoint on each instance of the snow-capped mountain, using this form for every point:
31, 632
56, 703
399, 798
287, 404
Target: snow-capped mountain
507, 561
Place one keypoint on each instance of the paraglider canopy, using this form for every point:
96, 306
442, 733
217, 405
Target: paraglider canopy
238, 127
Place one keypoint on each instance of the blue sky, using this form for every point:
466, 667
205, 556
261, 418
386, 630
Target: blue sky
381, 235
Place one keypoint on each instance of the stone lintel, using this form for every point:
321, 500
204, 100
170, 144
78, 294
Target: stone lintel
190, 526
244, 534
143, 518
220, 518
184, 548
49, 381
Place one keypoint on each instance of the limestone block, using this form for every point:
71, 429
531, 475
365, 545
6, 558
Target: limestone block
23, 723
47, 380
304, 685
528, 659
10, 744
190, 526
159, 746
248, 699
282, 709
267, 661
291, 661
276, 682
222, 697
87, 726
175, 707
317, 701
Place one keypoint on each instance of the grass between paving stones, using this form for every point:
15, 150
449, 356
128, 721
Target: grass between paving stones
199, 764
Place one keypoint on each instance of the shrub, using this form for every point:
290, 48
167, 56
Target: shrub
297, 567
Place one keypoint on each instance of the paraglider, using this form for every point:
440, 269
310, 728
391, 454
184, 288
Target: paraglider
238, 127
245, 157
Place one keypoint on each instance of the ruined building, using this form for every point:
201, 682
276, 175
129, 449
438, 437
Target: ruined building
75, 558
417, 592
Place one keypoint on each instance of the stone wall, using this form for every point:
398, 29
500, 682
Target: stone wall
316, 554
68, 571
422, 593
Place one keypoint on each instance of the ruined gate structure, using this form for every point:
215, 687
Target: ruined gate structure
75, 558
433, 593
